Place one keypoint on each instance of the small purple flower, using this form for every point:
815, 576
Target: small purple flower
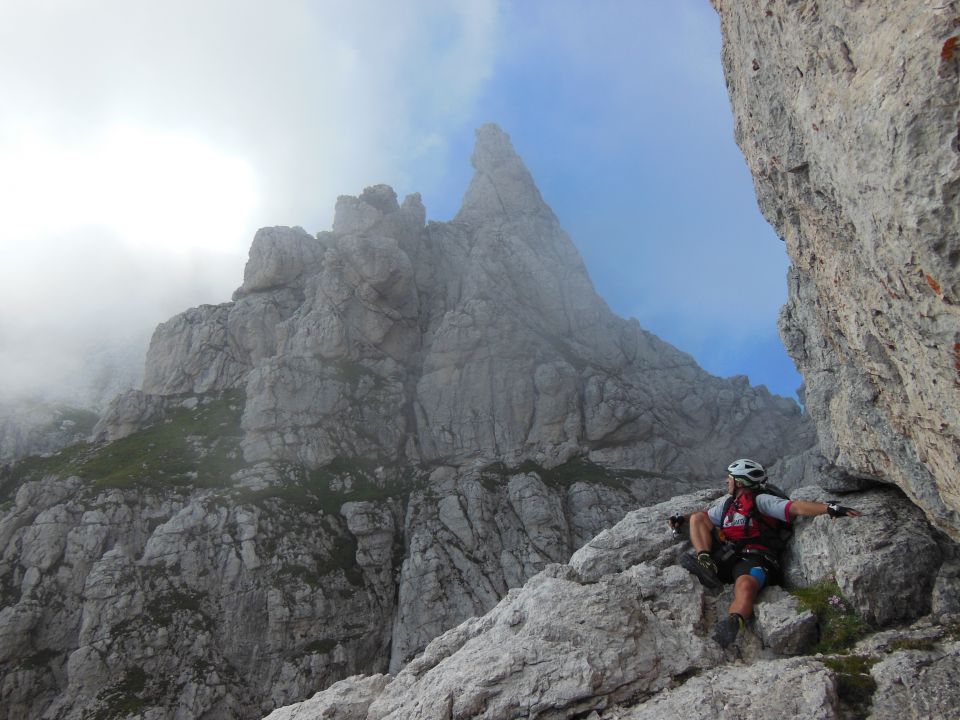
836, 601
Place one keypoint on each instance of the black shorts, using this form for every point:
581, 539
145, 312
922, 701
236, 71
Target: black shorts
743, 564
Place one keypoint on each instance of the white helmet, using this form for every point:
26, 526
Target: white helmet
749, 471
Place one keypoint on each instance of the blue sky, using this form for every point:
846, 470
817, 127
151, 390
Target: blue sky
141, 147
625, 122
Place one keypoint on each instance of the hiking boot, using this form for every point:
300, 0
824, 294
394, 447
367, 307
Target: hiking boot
727, 630
704, 568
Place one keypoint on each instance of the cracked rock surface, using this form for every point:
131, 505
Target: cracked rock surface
407, 341
630, 639
847, 115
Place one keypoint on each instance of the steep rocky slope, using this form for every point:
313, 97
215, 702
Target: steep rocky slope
847, 114
388, 427
621, 632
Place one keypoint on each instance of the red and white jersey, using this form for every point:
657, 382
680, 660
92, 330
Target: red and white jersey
734, 524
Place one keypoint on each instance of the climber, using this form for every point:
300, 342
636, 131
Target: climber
738, 539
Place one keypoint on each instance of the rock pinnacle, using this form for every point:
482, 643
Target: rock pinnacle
502, 185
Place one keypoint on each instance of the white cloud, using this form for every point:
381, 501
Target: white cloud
138, 138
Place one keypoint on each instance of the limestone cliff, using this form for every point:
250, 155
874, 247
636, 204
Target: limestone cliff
847, 114
481, 338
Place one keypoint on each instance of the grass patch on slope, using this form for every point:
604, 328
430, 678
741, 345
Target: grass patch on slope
197, 446
840, 626
573, 471
344, 479
855, 684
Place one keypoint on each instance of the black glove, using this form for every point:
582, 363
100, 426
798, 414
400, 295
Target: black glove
835, 509
677, 521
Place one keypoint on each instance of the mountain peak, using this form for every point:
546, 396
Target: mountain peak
502, 185
492, 149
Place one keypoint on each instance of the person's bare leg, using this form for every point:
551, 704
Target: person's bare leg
700, 532
745, 591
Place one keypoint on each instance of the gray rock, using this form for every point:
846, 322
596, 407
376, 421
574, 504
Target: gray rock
853, 157
482, 337
793, 688
917, 683
925, 633
348, 699
945, 599
36, 428
591, 508
783, 626
129, 412
558, 647
868, 555
640, 537
361, 360
208, 605
280, 257
470, 539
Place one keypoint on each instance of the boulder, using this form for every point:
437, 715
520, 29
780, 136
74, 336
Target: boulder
885, 561
640, 537
917, 683
558, 647
348, 699
280, 257
793, 688
782, 624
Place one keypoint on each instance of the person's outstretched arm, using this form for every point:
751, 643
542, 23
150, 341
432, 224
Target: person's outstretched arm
812, 509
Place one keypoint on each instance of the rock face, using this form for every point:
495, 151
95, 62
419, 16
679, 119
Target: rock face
847, 116
390, 426
891, 532
34, 428
447, 342
918, 683
151, 600
622, 637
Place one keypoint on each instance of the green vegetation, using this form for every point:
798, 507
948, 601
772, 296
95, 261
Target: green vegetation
924, 644
122, 699
198, 446
35, 467
855, 685
328, 488
77, 420
163, 605
563, 476
574, 471
840, 626
320, 647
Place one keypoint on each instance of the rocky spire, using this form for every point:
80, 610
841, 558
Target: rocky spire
502, 185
